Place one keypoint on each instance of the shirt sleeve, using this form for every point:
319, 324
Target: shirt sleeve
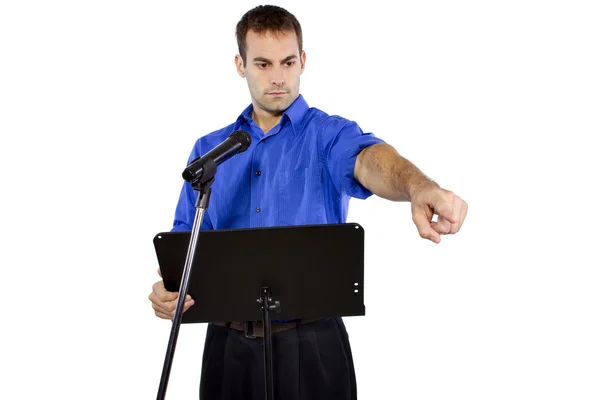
341, 150
185, 211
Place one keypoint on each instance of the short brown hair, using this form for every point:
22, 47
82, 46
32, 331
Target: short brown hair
264, 19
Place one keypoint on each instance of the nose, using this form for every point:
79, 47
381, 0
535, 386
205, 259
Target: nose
277, 77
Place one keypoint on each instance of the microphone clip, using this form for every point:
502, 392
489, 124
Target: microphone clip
209, 170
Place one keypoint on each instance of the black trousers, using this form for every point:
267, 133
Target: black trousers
312, 361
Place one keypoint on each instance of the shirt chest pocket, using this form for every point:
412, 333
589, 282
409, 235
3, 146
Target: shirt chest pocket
296, 187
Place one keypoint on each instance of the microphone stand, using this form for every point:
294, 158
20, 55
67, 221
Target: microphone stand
203, 186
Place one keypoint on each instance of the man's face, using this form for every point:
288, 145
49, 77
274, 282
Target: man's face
273, 68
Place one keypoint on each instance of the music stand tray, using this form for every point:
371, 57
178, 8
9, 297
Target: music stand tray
312, 271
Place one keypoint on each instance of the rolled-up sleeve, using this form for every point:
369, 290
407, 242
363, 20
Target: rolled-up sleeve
341, 150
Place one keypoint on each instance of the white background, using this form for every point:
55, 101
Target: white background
101, 102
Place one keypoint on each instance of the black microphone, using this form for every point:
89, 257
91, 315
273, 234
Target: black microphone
237, 142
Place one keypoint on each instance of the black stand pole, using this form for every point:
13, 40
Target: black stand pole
268, 305
202, 185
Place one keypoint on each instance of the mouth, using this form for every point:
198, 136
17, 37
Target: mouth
276, 94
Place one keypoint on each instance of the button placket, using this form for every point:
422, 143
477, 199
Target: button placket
257, 209
256, 183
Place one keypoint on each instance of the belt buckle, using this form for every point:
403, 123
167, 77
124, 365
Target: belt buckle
249, 329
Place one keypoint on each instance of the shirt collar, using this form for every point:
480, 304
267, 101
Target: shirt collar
295, 113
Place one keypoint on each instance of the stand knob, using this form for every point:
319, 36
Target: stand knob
275, 307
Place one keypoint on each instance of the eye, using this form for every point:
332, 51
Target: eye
262, 65
290, 63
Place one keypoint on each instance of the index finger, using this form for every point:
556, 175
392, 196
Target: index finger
423, 224
444, 207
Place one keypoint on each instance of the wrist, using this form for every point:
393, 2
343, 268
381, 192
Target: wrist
419, 185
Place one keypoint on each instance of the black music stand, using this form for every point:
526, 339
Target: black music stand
251, 274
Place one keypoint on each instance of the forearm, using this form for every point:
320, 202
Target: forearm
387, 174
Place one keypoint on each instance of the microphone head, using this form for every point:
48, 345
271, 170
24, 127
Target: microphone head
243, 138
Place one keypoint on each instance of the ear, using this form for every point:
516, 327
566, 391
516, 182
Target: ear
239, 65
302, 61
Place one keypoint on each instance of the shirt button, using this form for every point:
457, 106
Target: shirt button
257, 209
258, 173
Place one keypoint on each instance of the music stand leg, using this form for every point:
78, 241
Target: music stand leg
268, 305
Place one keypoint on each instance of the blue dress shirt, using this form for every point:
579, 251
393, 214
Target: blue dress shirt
300, 173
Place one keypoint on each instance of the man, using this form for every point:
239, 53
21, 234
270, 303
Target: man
301, 168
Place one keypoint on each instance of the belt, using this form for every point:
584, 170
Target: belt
254, 329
